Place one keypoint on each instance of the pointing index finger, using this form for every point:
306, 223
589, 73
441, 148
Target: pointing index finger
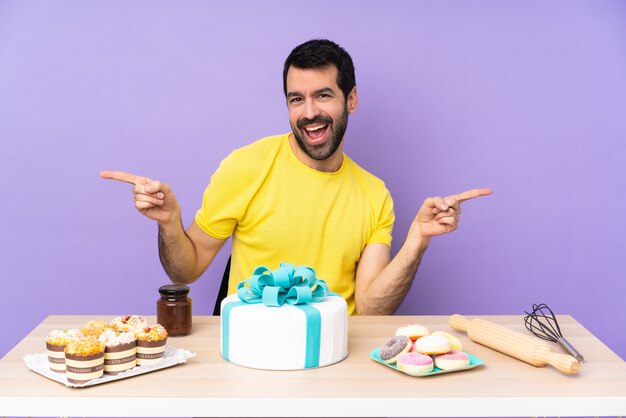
471, 194
121, 176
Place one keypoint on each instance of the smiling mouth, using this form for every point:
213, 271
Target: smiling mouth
315, 133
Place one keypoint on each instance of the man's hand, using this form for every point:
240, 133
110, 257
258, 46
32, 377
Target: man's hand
153, 199
382, 285
439, 215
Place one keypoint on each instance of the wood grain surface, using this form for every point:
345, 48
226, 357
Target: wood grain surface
209, 386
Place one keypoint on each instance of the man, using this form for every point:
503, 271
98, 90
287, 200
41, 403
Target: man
298, 198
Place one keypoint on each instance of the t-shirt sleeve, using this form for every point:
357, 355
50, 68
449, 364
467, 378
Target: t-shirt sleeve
382, 232
223, 203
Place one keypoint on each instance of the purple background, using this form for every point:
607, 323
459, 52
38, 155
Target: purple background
528, 98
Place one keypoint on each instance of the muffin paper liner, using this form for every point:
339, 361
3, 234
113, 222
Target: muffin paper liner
172, 356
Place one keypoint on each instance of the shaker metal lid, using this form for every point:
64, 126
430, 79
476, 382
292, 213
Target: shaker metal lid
173, 289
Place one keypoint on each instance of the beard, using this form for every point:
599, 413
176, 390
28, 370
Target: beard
322, 151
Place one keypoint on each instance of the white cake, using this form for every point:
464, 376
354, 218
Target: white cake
275, 338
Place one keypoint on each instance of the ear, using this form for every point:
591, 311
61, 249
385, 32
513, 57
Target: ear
352, 100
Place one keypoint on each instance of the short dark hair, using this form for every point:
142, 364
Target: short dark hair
322, 53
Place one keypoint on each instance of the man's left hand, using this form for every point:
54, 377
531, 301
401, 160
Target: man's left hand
440, 215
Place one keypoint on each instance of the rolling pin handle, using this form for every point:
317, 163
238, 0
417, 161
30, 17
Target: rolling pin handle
562, 362
459, 322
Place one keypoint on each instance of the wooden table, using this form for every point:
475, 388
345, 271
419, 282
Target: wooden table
208, 386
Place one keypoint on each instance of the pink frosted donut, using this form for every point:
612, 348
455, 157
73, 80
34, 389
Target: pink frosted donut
432, 345
452, 360
394, 347
415, 363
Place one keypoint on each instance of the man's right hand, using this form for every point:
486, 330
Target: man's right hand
152, 198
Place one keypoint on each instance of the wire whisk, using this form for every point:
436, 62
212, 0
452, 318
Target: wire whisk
542, 322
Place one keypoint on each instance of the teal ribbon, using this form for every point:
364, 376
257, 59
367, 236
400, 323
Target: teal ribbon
313, 332
284, 285
294, 286
226, 326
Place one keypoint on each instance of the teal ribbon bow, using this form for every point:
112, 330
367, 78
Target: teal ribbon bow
287, 284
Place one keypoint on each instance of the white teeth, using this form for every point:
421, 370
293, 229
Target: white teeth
315, 128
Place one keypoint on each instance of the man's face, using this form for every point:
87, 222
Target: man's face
318, 110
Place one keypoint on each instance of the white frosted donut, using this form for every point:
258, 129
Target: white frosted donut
452, 360
455, 344
432, 345
415, 363
414, 331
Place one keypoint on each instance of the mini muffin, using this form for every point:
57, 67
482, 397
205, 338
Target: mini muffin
84, 360
56, 342
150, 344
120, 353
128, 323
94, 328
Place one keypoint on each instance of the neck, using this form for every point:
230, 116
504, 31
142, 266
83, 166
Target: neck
329, 165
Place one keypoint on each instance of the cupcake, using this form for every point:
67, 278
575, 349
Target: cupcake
84, 360
94, 328
120, 352
128, 323
150, 344
56, 342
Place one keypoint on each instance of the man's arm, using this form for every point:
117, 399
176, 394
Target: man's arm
382, 285
184, 255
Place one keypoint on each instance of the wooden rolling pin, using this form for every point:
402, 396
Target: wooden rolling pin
512, 343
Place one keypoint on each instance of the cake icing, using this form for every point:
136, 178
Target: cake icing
286, 319
275, 338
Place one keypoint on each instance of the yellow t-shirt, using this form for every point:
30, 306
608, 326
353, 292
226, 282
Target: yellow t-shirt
280, 210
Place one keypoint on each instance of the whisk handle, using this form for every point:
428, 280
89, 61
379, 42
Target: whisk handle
570, 349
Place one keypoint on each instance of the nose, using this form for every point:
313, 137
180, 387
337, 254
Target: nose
310, 109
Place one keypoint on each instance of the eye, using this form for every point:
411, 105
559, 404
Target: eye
295, 100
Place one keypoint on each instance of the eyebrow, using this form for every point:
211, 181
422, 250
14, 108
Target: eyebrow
316, 92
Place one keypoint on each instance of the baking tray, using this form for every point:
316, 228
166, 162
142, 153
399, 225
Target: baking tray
171, 357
